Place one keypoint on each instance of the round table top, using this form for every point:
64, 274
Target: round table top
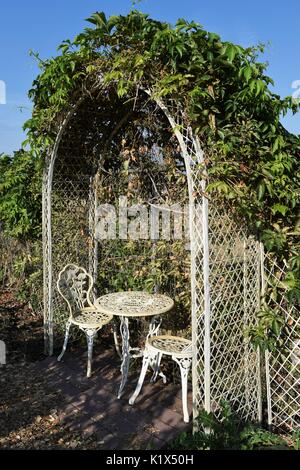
134, 304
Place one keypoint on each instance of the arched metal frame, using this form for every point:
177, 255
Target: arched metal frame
215, 360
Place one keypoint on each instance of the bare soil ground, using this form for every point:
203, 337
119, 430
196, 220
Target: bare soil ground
49, 405
29, 406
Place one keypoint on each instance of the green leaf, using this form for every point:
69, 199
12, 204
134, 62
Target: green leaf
252, 85
230, 52
247, 72
279, 208
261, 191
278, 142
276, 327
98, 19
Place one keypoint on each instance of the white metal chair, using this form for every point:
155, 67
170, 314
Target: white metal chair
75, 285
180, 349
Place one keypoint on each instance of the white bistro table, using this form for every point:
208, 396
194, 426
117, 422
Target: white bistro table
133, 304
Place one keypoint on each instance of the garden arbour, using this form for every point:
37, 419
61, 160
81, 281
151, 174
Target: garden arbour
135, 107
219, 274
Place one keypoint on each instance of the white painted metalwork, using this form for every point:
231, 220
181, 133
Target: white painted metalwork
180, 349
75, 286
134, 304
282, 363
130, 305
126, 353
225, 265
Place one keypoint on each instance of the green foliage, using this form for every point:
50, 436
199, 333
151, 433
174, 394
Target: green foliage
226, 432
253, 438
20, 194
266, 334
20, 217
252, 160
296, 439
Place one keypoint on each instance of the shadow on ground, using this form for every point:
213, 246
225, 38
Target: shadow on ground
49, 405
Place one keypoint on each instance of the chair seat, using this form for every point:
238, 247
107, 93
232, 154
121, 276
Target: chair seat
180, 349
171, 345
90, 318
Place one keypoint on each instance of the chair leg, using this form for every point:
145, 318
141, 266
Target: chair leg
146, 361
90, 335
184, 364
68, 325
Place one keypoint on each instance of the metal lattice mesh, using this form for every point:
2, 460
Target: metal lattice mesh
89, 172
70, 212
283, 364
227, 366
225, 300
234, 281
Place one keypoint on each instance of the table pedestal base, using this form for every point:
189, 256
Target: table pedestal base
127, 351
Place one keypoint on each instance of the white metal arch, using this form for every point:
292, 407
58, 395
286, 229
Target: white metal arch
208, 388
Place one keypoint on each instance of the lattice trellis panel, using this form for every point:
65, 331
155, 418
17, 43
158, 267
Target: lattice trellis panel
283, 364
225, 278
234, 302
72, 238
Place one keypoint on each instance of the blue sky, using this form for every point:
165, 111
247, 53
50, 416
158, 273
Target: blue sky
42, 25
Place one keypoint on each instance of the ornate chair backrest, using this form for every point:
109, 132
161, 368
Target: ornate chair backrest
74, 285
